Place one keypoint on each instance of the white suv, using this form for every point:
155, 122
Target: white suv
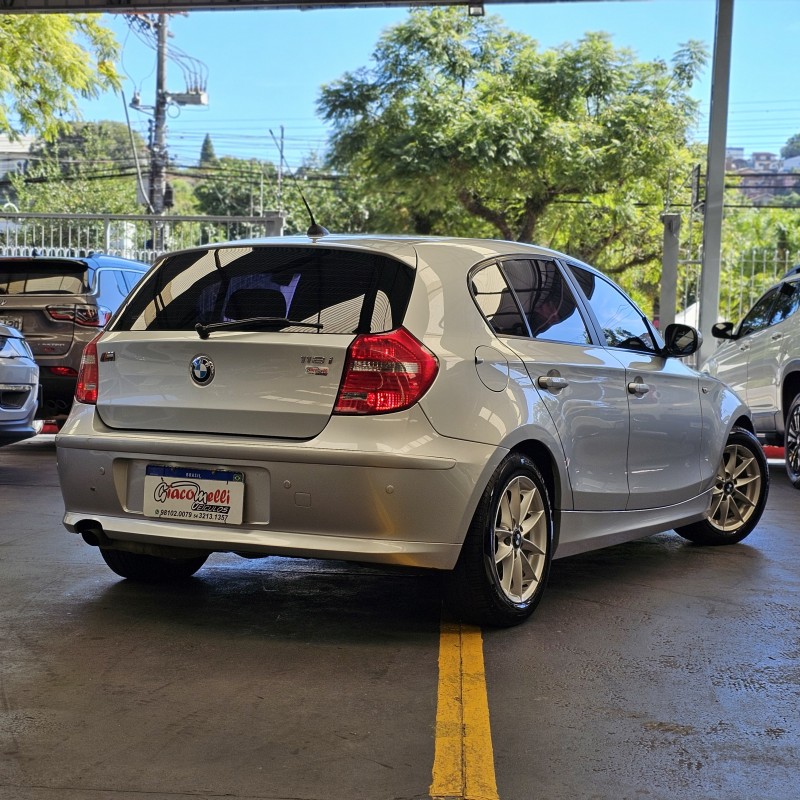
760, 359
474, 406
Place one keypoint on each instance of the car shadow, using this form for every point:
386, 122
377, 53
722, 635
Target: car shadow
285, 598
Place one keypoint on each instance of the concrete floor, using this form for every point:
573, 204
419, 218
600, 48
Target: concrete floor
654, 670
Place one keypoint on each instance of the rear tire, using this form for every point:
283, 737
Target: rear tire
739, 495
791, 444
151, 569
502, 571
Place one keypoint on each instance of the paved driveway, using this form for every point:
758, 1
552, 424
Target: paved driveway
655, 670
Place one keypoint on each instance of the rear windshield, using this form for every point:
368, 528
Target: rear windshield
50, 277
341, 291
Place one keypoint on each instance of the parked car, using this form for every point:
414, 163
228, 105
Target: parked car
59, 304
760, 359
19, 387
473, 406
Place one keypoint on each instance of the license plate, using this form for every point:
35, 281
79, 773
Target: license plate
14, 322
179, 493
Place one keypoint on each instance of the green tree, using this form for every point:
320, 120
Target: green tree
46, 62
792, 147
207, 154
90, 167
237, 187
467, 121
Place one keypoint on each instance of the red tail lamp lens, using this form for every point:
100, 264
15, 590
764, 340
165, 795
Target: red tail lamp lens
86, 387
385, 372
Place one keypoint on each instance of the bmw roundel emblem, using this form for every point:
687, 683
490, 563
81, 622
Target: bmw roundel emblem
202, 370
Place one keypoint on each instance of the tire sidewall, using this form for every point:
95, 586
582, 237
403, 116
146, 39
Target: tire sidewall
794, 477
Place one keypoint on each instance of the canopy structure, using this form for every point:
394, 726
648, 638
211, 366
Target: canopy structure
40, 6
715, 172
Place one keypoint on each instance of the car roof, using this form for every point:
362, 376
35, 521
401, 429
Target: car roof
406, 247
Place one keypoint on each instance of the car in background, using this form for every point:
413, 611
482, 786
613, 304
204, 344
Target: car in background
760, 359
19, 387
478, 407
59, 304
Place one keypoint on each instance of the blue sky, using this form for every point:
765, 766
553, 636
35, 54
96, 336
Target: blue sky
265, 67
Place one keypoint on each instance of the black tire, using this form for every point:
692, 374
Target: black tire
502, 571
151, 569
739, 495
791, 443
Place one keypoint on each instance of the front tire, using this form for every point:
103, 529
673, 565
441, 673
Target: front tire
791, 444
502, 571
739, 495
151, 569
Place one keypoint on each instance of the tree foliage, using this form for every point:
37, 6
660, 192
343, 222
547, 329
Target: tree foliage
46, 61
88, 168
792, 147
560, 146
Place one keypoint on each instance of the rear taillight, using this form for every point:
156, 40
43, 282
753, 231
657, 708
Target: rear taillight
86, 387
87, 316
385, 372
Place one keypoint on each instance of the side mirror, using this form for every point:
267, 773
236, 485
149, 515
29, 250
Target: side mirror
681, 340
722, 330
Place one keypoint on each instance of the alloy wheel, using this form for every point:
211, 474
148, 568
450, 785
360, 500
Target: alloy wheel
736, 490
520, 539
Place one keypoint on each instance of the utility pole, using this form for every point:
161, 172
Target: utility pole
158, 149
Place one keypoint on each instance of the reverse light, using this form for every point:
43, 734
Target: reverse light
385, 372
88, 378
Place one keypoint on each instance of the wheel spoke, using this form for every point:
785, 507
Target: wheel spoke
516, 581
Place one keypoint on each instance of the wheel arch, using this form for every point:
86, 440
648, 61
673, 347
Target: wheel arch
546, 463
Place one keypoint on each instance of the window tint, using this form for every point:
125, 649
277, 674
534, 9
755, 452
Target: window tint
497, 303
345, 292
760, 315
622, 323
547, 300
786, 302
21, 276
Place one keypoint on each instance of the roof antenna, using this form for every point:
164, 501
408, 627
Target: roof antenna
314, 231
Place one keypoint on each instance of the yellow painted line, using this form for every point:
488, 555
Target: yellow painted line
463, 763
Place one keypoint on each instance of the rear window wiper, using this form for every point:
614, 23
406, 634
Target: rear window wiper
253, 322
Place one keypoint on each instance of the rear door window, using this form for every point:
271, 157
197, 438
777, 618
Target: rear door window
547, 301
341, 291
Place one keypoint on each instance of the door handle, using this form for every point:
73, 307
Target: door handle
552, 382
639, 389
776, 336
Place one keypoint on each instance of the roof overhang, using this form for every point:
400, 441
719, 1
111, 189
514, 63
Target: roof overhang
155, 6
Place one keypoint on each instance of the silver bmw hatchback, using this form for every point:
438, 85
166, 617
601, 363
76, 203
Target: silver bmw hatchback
477, 407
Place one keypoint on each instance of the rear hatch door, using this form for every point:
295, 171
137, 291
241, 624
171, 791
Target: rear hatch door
278, 322
43, 297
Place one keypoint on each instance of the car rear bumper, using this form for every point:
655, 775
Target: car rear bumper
407, 500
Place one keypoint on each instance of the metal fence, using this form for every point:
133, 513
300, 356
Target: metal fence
141, 237
743, 280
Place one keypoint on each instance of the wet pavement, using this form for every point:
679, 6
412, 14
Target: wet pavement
654, 670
